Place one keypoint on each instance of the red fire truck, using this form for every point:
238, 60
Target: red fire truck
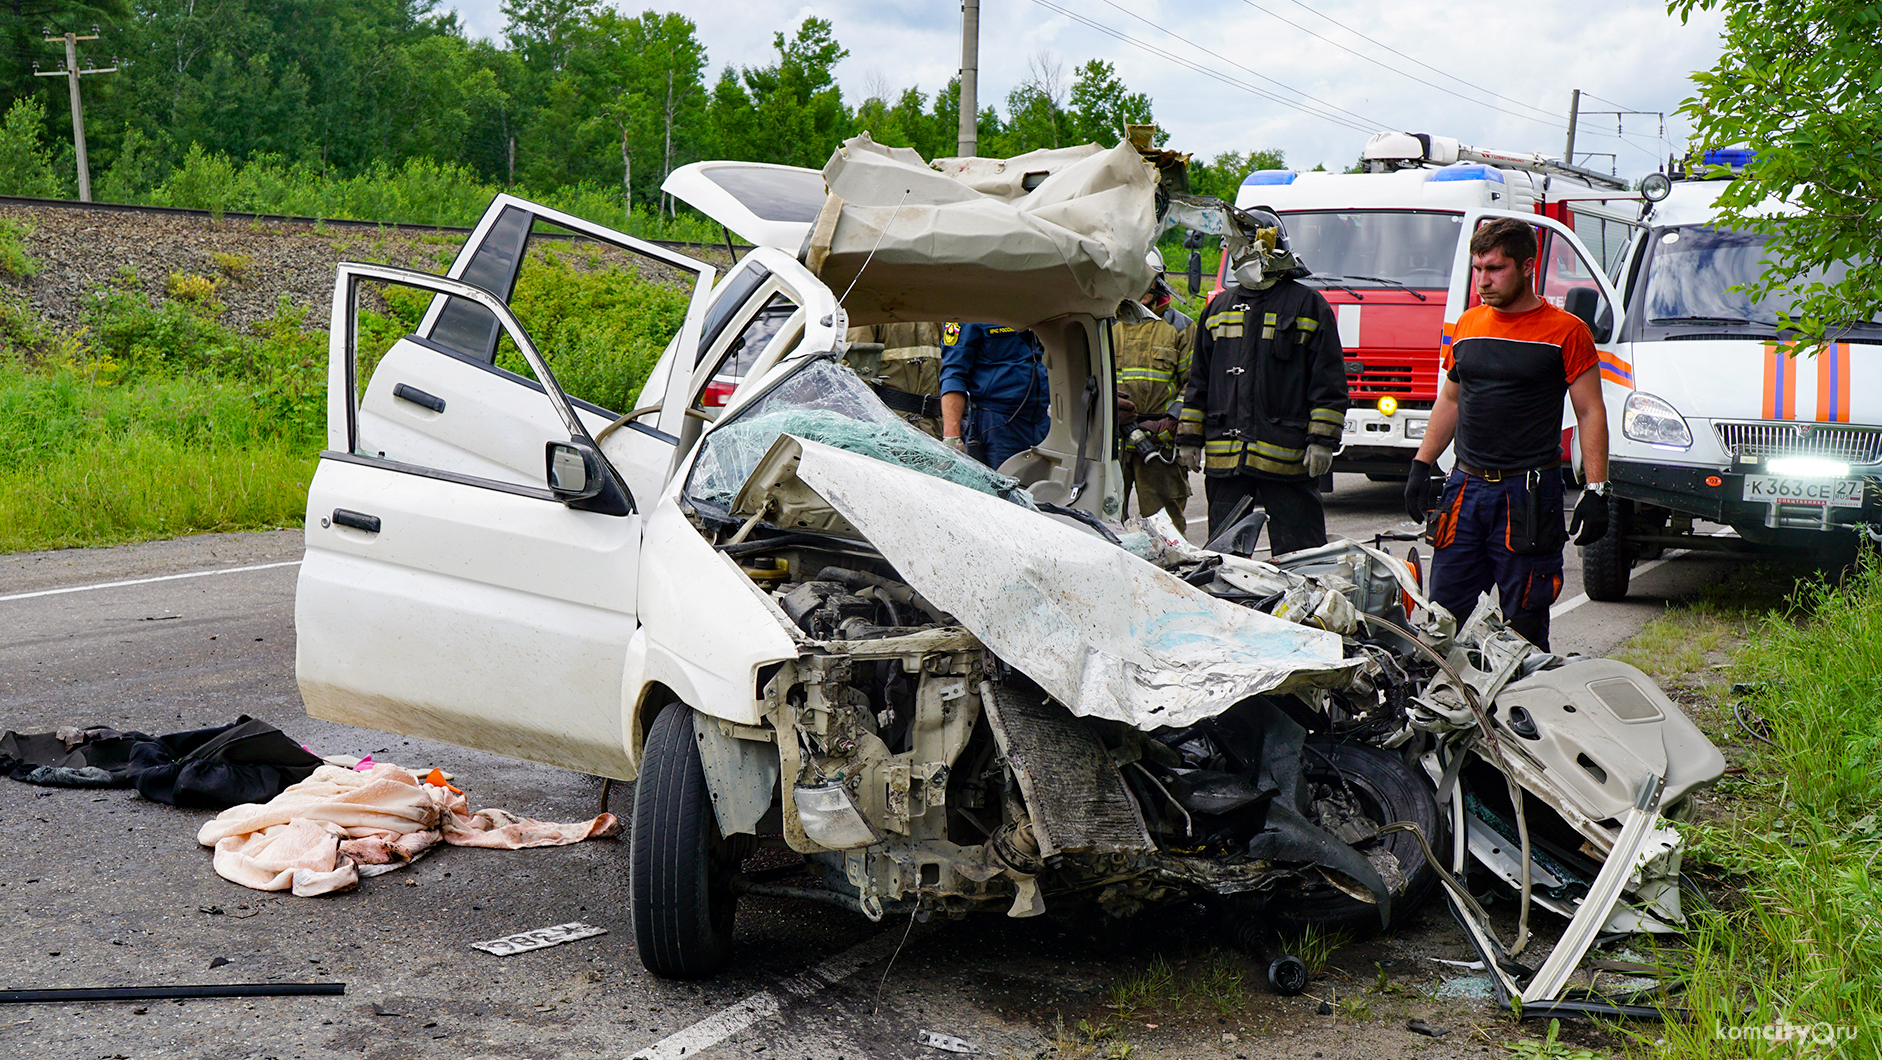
1381, 245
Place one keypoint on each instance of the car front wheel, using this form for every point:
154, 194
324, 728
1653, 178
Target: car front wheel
1368, 787
681, 867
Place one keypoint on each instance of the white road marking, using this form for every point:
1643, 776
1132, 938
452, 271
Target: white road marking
692, 1040
1566, 606
146, 581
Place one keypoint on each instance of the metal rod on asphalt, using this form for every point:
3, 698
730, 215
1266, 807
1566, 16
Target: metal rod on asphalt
164, 993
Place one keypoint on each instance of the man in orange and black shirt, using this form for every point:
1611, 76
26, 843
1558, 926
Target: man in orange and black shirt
1510, 361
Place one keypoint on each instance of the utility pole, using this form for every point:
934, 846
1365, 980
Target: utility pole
1574, 115
970, 74
72, 73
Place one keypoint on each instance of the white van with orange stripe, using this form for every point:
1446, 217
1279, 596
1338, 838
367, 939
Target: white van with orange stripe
1711, 416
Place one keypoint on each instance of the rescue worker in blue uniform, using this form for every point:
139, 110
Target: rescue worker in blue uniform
995, 397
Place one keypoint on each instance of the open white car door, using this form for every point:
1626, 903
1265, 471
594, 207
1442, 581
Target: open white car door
472, 554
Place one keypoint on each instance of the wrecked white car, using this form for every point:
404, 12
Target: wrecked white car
801, 625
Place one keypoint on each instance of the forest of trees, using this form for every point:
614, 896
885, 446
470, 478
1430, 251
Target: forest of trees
574, 94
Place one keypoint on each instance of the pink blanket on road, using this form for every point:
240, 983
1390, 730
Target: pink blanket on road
323, 834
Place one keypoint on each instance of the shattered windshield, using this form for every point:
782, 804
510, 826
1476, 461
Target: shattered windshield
826, 402
1692, 273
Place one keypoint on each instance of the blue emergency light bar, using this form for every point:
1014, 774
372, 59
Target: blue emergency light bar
1736, 157
1468, 172
1270, 176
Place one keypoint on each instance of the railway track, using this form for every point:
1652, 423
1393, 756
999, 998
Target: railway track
331, 222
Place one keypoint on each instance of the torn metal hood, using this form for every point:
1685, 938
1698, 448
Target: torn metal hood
906, 242
1098, 629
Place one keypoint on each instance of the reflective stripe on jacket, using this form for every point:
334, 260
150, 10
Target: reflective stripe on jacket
1152, 359
1267, 379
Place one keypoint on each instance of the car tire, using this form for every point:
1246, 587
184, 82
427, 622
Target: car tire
680, 868
1388, 791
1607, 563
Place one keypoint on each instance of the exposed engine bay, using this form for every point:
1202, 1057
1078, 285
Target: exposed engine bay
929, 754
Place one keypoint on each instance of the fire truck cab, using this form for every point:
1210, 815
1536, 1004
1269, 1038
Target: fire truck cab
1382, 245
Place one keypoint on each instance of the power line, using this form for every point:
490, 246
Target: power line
1611, 103
1207, 71
1428, 66
1401, 73
1226, 59
1362, 125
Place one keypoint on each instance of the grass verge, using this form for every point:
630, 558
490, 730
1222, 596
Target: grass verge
156, 418
140, 485
1790, 960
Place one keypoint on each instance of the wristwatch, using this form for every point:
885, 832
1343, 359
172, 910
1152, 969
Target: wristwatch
1599, 489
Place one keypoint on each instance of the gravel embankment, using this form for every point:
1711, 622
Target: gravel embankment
81, 252
256, 263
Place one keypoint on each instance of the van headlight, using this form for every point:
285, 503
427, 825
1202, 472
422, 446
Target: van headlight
830, 817
1645, 418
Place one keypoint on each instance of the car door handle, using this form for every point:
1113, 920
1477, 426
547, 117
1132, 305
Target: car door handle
407, 392
356, 520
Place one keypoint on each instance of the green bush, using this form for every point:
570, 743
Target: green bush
25, 162
137, 169
132, 338
14, 260
418, 192
601, 330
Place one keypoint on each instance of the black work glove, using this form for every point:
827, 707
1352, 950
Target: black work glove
1590, 521
1419, 492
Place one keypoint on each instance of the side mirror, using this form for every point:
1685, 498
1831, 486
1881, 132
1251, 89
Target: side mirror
1585, 302
574, 471
1195, 272
581, 479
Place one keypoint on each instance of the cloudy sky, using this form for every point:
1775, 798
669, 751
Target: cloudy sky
1491, 73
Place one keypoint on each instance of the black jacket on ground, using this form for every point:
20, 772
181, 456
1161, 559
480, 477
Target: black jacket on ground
215, 768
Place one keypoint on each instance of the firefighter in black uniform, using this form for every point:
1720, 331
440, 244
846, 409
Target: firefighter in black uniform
1266, 399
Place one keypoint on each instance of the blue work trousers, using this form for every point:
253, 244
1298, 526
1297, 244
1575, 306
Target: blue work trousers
1473, 531
1005, 432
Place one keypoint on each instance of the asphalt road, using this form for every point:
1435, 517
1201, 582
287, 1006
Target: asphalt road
102, 888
